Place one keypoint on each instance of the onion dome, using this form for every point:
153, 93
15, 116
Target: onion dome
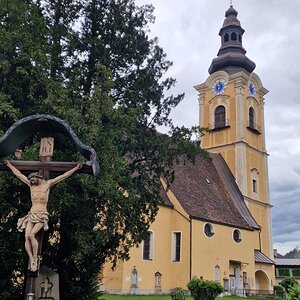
231, 56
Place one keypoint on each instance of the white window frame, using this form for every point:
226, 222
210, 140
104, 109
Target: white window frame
173, 254
151, 249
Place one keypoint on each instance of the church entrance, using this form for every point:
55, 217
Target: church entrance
236, 281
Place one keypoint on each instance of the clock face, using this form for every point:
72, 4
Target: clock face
251, 89
219, 86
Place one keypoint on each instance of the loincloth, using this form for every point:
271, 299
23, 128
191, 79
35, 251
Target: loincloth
34, 218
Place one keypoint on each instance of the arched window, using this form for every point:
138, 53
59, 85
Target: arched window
251, 118
233, 36
226, 37
220, 117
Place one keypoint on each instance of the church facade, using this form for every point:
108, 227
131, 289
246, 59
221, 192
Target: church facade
215, 221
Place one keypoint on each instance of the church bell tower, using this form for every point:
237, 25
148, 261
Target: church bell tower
231, 105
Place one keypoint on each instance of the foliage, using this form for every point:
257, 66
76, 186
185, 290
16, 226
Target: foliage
289, 283
294, 292
92, 64
279, 291
204, 289
178, 294
295, 253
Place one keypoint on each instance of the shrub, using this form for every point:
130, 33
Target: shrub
204, 289
178, 294
288, 283
279, 291
294, 292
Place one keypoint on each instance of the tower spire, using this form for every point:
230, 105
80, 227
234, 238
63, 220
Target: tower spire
231, 56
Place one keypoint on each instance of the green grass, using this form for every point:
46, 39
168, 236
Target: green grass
168, 297
139, 297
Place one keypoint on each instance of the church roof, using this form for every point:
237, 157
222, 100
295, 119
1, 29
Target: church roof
231, 56
262, 258
206, 195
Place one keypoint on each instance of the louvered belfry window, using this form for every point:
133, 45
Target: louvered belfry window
251, 118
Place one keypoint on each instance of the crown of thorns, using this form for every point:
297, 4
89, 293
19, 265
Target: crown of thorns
36, 175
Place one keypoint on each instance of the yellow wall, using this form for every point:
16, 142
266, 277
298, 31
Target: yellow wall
173, 273
220, 250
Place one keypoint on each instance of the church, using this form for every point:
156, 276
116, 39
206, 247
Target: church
215, 222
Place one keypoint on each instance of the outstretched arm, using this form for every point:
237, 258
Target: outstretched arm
21, 176
65, 175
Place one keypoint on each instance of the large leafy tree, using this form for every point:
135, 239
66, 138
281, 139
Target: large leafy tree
92, 64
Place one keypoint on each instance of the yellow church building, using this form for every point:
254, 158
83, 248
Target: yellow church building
215, 221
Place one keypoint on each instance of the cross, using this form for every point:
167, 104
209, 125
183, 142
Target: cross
231, 2
40, 183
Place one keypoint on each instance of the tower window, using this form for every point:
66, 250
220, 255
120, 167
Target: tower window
254, 185
220, 117
226, 37
251, 118
233, 36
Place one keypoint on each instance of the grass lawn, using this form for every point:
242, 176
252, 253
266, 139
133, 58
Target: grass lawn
138, 297
168, 297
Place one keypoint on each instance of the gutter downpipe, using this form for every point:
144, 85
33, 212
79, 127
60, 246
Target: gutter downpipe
191, 228
259, 240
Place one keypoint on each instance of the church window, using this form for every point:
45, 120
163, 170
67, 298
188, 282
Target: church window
237, 236
233, 36
148, 246
208, 230
254, 185
226, 37
251, 118
220, 117
176, 251
254, 178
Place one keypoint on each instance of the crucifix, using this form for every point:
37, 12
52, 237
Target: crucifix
37, 218
39, 182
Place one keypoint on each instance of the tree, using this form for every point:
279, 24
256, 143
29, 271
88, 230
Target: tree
92, 64
289, 283
295, 253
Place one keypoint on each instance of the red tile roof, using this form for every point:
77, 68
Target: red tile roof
206, 196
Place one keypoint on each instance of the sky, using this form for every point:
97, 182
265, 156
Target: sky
188, 32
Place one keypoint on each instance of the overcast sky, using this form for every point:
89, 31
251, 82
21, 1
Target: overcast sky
188, 32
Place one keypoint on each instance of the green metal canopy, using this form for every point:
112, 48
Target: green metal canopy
44, 124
